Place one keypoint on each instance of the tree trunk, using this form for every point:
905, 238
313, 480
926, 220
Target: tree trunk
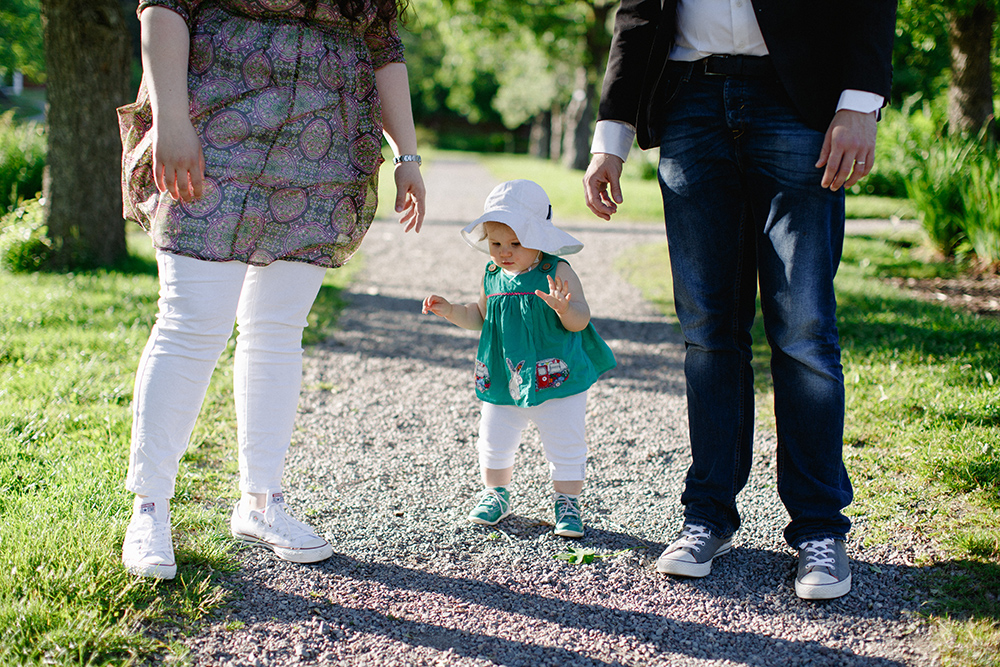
576, 128
581, 112
556, 135
88, 58
970, 95
540, 139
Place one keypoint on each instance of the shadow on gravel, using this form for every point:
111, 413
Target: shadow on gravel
364, 598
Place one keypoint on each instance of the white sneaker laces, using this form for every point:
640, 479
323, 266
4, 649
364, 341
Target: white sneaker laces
565, 507
692, 537
493, 499
282, 523
819, 553
159, 537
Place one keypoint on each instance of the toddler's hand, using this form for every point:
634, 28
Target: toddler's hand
438, 305
558, 297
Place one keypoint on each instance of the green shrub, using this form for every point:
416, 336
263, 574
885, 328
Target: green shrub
24, 244
935, 187
981, 199
22, 160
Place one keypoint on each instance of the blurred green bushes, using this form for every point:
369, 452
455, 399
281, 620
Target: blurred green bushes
953, 181
22, 160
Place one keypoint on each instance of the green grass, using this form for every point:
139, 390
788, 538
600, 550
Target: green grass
69, 345
565, 187
923, 427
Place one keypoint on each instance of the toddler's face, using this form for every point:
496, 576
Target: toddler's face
506, 251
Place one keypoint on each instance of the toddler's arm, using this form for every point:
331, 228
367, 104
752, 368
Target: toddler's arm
469, 316
566, 298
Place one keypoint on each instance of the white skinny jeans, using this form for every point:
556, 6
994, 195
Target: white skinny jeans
199, 302
561, 428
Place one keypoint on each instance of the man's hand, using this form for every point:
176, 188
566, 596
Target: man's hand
604, 170
848, 149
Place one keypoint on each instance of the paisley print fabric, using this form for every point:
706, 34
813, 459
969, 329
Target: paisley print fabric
282, 94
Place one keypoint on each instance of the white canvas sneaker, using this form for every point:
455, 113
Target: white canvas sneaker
273, 528
148, 550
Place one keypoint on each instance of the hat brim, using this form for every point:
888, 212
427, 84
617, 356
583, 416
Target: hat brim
545, 237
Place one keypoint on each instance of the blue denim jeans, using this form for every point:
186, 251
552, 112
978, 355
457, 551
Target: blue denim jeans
744, 207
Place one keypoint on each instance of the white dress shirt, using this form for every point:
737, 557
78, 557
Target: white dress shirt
710, 27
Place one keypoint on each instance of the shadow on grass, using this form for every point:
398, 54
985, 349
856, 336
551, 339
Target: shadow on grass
964, 589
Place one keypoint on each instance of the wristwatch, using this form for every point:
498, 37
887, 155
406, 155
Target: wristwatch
406, 158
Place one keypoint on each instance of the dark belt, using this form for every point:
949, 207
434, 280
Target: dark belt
757, 67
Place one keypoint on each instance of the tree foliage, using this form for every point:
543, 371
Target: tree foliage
21, 39
949, 45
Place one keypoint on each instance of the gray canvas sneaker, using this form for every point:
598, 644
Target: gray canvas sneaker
692, 552
824, 570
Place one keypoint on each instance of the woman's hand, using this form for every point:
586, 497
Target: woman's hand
410, 195
178, 162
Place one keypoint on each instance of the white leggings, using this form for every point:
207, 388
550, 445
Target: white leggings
561, 427
199, 302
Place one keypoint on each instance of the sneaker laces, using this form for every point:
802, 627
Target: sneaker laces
692, 536
493, 500
283, 524
154, 536
159, 537
819, 553
565, 507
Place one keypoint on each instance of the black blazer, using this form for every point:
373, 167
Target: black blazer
819, 48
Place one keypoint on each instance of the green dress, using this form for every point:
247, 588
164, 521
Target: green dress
526, 356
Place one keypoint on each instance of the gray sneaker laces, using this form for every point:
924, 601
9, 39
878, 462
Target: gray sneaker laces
819, 553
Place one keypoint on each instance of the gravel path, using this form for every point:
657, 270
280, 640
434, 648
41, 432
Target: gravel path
384, 465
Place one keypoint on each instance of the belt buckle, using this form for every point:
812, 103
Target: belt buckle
727, 65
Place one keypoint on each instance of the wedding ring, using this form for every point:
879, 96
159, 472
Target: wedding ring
861, 163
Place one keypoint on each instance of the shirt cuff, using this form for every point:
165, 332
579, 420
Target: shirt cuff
614, 137
859, 100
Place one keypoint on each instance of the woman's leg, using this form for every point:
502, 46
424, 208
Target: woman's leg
267, 375
197, 308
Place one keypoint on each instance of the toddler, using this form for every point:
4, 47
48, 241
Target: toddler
538, 352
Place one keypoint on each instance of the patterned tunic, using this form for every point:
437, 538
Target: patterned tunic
526, 356
282, 94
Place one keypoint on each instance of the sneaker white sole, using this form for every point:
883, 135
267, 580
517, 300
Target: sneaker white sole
830, 591
565, 532
682, 568
483, 522
151, 570
310, 555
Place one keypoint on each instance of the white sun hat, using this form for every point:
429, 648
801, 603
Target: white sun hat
523, 206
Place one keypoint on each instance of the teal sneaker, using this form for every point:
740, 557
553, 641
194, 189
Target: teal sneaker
494, 504
568, 520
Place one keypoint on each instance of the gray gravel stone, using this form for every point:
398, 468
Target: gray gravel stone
384, 465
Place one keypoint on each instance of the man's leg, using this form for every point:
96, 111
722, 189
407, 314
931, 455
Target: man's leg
711, 245
801, 230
